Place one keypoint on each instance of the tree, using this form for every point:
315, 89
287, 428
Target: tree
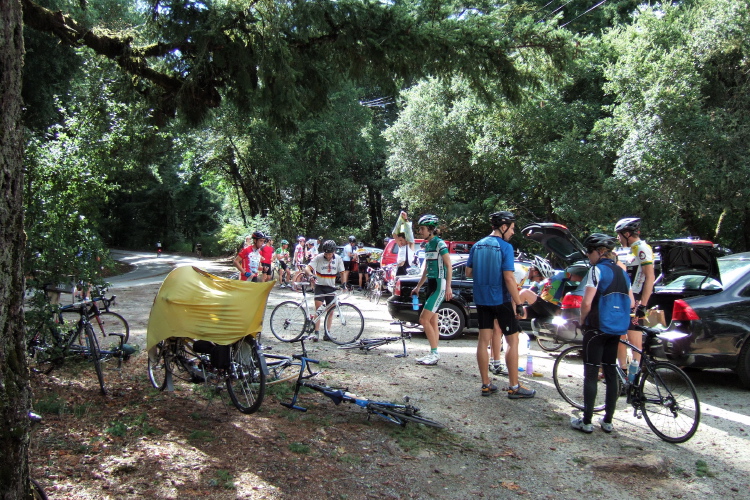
15, 393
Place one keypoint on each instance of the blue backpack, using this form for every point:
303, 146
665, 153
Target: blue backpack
610, 310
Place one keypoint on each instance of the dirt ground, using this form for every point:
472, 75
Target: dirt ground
137, 442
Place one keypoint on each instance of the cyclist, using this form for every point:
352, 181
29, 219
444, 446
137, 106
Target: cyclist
266, 259
628, 233
158, 248
248, 259
605, 316
347, 256
539, 271
299, 253
363, 258
281, 255
490, 258
438, 273
326, 266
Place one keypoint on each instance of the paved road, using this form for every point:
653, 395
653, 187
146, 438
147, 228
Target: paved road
151, 270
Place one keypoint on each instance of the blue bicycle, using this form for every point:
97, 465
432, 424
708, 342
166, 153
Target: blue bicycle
399, 414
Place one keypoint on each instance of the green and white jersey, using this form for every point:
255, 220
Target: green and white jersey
433, 255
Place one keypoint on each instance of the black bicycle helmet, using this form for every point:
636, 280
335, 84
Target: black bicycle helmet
328, 246
352, 239
428, 220
258, 235
598, 240
628, 224
498, 219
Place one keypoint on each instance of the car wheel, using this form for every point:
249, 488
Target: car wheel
451, 321
743, 365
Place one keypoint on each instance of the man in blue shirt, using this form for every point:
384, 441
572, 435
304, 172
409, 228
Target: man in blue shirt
491, 264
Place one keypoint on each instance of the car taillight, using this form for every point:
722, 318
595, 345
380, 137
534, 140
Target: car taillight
397, 288
571, 301
683, 312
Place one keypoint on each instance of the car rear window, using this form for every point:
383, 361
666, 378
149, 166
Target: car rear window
732, 269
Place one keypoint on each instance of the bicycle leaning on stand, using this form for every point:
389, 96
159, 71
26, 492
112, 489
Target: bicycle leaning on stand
661, 392
343, 323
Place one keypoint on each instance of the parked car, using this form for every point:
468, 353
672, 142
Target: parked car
454, 315
710, 313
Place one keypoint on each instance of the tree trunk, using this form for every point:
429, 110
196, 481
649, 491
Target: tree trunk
14, 376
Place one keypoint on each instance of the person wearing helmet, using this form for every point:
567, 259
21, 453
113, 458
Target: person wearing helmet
299, 253
438, 273
248, 259
281, 255
628, 233
363, 259
326, 266
347, 255
492, 264
546, 303
605, 316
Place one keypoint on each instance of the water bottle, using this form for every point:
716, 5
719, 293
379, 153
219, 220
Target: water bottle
415, 302
529, 363
632, 370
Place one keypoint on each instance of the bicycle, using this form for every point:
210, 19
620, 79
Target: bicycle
299, 278
50, 346
343, 322
369, 344
240, 366
108, 322
661, 392
376, 284
400, 414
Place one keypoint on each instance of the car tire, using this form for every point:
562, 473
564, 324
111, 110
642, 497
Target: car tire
451, 321
743, 365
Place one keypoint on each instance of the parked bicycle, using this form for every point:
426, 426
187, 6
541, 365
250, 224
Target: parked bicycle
105, 321
400, 414
50, 345
343, 323
240, 366
661, 392
376, 284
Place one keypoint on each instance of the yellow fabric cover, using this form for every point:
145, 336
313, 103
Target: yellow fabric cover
195, 304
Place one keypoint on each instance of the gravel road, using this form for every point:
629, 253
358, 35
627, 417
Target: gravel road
509, 447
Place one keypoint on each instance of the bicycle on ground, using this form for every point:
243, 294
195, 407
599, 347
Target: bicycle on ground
240, 366
661, 392
400, 414
343, 323
369, 344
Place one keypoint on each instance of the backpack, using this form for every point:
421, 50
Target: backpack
610, 309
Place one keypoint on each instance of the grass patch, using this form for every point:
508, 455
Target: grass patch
299, 448
223, 479
350, 459
51, 404
702, 470
415, 437
118, 429
580, 460
199, 435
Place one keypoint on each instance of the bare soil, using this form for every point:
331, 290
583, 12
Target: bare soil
137, 442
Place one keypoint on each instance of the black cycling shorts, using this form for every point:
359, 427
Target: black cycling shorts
348, 265
282, 265
266, 268
325, 294
503, 313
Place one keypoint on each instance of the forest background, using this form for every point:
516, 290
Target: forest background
641, 110
197, 121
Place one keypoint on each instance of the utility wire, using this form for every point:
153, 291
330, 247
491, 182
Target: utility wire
592, 8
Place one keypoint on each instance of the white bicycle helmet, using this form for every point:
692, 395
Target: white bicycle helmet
543, 266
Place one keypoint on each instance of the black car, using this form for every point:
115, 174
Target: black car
710, 312
454, 315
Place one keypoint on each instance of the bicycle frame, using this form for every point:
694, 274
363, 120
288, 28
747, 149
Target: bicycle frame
314, 318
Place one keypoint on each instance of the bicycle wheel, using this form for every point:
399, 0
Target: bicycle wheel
344, 324
45, 351
246, 383
669, 402
288, 321
401, 414
92, 346
568, 376
159, 364
108, 322
37, 490
549, 345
